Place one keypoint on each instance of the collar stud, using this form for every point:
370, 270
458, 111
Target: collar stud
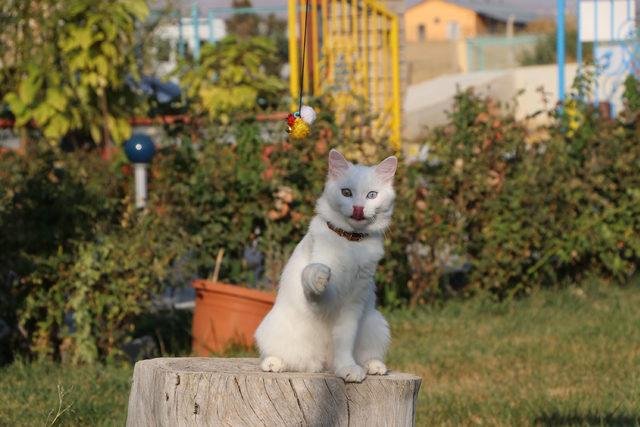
349, 235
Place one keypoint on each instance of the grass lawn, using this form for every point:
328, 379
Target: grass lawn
559, 358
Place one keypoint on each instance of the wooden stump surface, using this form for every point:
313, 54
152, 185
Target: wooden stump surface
199, 391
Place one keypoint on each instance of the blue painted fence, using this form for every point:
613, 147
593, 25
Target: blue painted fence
610, 25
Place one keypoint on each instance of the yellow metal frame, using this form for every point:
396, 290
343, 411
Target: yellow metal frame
355, 56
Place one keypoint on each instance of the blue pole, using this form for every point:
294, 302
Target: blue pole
595, 48
210, 19
560, 48
196, 31
613, 37
180, 36
612, 111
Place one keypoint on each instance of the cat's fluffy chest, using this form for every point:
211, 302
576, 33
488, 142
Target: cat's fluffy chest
352, 263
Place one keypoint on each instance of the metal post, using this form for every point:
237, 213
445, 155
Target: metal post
612, 109
511, 57
595, 48
180, 36
196, 31
210, 20
396, 132
560, 48
140, 171
613, 37
579, 41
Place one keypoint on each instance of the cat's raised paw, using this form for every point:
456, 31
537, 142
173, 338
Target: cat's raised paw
351, 374
272, 364
376, 367
315, 278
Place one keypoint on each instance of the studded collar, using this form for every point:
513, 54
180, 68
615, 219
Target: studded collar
349, 235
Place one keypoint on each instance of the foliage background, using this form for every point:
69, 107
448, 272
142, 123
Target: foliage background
493, 208
489, 210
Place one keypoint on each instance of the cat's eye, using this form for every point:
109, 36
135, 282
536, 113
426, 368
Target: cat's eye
346, 192
372, 194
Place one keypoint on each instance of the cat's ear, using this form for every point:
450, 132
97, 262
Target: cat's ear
387, 168
338, 165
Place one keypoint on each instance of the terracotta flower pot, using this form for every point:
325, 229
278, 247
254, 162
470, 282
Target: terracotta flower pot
226, 314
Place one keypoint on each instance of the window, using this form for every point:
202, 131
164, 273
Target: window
422, 33
453, 30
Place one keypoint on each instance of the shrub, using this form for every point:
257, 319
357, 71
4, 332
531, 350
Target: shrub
442, 214
230, 77
77, 262
513, 216
249, 195
492, 208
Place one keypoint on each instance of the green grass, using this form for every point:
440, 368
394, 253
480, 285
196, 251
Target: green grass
559, 358
35, 394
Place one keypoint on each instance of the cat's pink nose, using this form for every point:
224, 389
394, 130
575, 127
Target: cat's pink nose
358, 212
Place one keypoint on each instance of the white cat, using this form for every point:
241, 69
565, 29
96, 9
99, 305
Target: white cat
324, 316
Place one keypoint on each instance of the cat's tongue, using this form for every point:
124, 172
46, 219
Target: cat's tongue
358, 213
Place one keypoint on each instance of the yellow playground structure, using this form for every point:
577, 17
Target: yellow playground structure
352, 51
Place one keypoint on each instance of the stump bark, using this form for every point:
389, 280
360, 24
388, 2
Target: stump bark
198, 391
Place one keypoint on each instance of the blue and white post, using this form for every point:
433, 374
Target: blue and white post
140, 149
195, 25
560, 44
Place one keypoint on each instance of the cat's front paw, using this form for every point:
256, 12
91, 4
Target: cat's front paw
272, 364
315, 278
351, 374
376, 367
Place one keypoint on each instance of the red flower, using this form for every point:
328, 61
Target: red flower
266, 152
321, 147
268, 173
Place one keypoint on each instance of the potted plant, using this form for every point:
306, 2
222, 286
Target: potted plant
226, 314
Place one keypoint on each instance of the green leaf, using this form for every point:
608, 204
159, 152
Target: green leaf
96, 132
56, 99
138, 8
57, 127
84, 37
43, 113
28, 88
101, 65
17, 107
109, 50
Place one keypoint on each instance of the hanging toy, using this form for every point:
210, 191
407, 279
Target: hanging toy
300, 122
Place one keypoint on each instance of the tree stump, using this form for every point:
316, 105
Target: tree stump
199, 391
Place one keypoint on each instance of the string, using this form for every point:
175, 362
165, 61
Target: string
304, 50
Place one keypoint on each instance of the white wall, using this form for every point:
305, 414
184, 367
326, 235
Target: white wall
426, 103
